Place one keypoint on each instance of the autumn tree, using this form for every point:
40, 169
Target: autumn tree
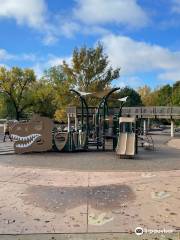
176, 94
16, 85
43, 96
148, 96
61, 84
90, 70
163, 96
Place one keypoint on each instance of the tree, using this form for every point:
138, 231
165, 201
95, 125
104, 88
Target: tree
90, 70
61, 84
176, 94
146, 95
16, 84
133, 100
163, 96
44, 99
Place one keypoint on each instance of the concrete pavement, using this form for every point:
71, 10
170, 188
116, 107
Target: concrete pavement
90, 193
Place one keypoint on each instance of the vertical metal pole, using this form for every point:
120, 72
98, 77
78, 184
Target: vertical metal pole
82, 115
148, 124
76, 123
144, 127
104, 117
136, 135
68, 129
172, 128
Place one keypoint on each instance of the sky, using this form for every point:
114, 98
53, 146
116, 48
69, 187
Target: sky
142, 37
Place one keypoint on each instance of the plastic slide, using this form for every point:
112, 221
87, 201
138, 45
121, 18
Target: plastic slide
126, 144
121, 146
130, 144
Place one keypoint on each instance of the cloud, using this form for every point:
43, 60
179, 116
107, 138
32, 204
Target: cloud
69, 28
170, 75
55, 60
176, 6
126, 12
138, 57
4, 55
48, 62
31, 12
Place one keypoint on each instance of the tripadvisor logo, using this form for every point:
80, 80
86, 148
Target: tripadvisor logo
139, 231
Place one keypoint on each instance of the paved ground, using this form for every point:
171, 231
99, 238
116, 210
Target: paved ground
96, 236
90, 193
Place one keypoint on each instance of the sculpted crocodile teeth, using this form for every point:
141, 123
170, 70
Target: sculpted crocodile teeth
26, 141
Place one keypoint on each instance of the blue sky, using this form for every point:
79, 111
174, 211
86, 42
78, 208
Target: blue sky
140, 36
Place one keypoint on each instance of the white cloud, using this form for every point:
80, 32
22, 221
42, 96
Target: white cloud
176, 6
170, 75
69, 28
126, 12
38, 63
50, 61
54, 60
31, 12
137, 57
4, 55
50, 38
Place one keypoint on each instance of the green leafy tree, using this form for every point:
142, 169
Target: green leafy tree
16, 84
44, 99
176, 94
147, 96
90, 70
134, 99
60, 83
163, 96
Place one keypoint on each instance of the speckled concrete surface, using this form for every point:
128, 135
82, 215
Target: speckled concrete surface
41, 200
99, 236
92, 197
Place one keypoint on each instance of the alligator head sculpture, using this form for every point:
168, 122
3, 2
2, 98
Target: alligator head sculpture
32, 136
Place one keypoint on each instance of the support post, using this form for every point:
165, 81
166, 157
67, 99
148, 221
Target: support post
144, 127
76, 123
172, 128
68, 123
148, 124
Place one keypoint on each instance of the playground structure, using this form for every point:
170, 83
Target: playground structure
87, 131
96, 127
33, 136
127, 140
97, 131
92, 128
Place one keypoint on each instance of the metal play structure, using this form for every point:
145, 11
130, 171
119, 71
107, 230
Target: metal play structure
90, 128
96, 124
127, 140
87, 129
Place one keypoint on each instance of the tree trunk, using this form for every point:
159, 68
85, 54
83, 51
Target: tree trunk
17, 115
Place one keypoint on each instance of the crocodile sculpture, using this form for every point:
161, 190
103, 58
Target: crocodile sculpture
32, 136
